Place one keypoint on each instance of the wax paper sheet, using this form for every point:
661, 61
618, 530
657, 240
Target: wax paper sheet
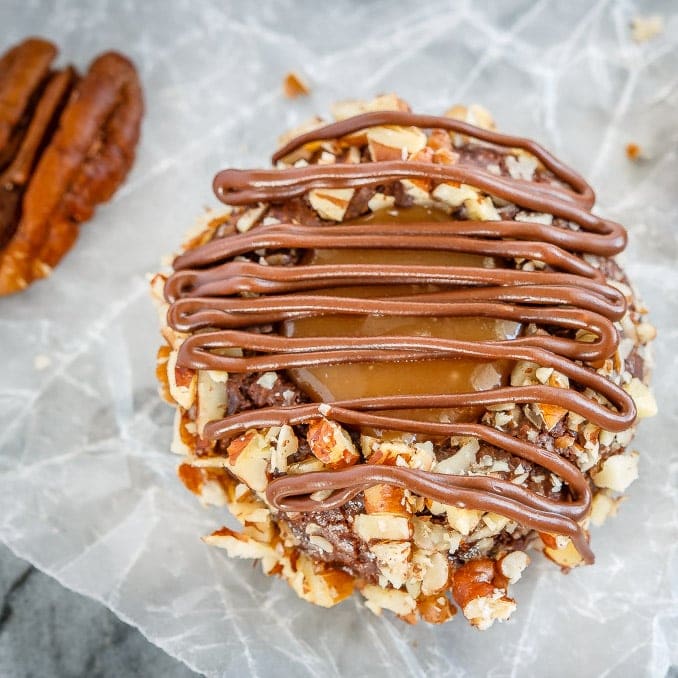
87, 486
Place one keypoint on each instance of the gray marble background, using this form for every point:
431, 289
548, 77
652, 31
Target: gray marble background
89, 493
48, 631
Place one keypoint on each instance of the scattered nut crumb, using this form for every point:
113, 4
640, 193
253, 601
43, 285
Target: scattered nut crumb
295, 86
634, 152
644, 28
41, 362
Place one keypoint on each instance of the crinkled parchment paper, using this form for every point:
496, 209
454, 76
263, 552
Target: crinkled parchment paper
87, 487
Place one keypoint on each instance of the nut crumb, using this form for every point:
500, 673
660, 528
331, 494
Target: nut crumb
634, 152
644, 28
295, 86
41, 362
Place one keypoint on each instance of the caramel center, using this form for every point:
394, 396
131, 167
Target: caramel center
328, 383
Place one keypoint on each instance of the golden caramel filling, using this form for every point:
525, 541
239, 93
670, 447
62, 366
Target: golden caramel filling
328, 383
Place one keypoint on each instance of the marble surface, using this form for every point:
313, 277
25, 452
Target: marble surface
47, 631
88, 492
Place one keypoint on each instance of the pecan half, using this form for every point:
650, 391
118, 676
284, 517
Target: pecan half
28, 94
68, 145
22, 71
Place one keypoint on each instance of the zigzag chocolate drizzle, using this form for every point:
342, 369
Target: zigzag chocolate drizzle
216, 299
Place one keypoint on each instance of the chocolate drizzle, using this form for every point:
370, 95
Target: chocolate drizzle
220, 301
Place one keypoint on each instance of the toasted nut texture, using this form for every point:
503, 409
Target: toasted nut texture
477, 592
387, 102
642, 397
513, 564
331, 203
182, 382
483, 611
330, 443
463, 521
319, 584
250, 217
617, 472
393, 560
286, 445
395, 143
603, 507
385, 526
566, 556
239, 545
211, 399
249, 457
385, 499
378, 599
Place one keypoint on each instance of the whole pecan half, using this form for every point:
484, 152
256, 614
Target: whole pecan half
66, 144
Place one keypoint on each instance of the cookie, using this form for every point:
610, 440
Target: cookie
404, 357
